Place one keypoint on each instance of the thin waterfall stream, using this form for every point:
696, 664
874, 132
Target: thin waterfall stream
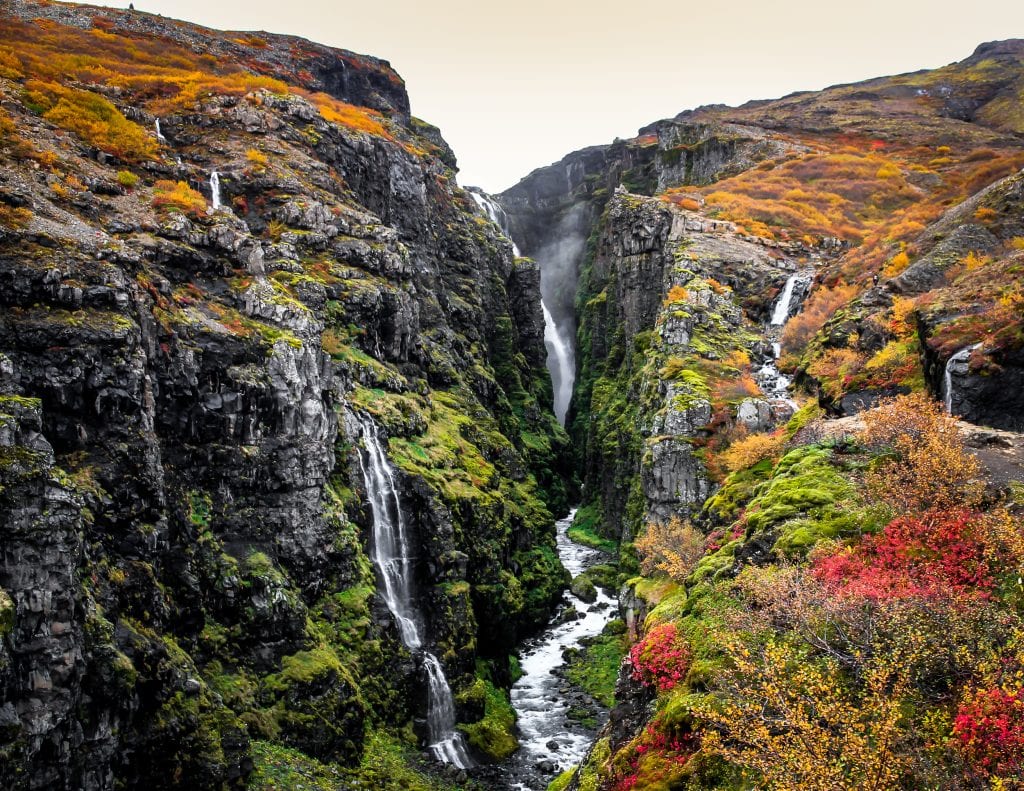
390, 553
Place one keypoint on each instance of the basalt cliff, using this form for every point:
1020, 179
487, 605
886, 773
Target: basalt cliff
227, 259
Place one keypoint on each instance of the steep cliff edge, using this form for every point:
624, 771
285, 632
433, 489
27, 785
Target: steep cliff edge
211, 265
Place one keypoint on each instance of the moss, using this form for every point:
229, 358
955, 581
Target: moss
592, 771
595, 668
561, 782
584, 530
305, 667
494, 734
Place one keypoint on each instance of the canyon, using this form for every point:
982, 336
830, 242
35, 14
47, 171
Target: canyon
320, 468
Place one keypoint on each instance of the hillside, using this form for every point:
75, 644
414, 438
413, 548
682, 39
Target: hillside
812, 602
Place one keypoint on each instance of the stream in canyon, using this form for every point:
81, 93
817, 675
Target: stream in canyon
550, 739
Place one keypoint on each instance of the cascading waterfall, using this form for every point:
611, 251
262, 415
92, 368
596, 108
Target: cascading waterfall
391, 556
781, 312
214, 190
560, 358
955, 360
773, 383
159, 134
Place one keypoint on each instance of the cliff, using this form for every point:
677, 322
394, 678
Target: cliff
212, 265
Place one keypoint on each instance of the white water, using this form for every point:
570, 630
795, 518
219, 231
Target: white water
781, 312
214, 190
947, 381
159, 134
561, 364
390, 555
540, 706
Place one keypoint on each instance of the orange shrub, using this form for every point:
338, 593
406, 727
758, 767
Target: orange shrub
180, 196
749, 450
361, 119
676, 294
94, 119
672, 547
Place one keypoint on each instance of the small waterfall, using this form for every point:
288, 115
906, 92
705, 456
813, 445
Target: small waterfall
390, 555
561, 363
955, 359
159, 134
214, 190
445, 742
781, 312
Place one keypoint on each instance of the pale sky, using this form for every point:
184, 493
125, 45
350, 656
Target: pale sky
516, 86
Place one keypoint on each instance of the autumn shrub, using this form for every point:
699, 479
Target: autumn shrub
672, 548
661, 658
127, 179
178, 196
654, 759
835, 370
94, 119
749, 450
942, 553
256, 158
676, 294
926, 465
14, 217
989, 730
360, 119
792, 720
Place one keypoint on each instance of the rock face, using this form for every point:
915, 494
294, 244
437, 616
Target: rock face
183, 525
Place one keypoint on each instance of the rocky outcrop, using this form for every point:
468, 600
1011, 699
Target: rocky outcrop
184, 521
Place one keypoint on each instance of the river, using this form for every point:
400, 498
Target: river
546, 732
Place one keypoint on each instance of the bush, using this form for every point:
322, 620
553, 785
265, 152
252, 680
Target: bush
94, 119
673, 548
178, 196
661, 659
127, 179
748, 451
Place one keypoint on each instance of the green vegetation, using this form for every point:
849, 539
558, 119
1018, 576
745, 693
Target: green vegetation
494, 734
595, 666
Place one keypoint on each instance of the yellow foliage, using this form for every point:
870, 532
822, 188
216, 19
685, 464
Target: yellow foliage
361, 119
899, 262
1017, 243
672, 547
930, 467
974, 261
799, 726
94, 119
676, 294
180, 196
256, 158
984, 214
751, 449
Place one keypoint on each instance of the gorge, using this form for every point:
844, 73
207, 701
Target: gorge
319, 469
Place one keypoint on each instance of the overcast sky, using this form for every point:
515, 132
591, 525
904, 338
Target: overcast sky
514, 86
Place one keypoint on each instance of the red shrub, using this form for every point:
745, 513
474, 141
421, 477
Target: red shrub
989, 726
938, 554
661, 658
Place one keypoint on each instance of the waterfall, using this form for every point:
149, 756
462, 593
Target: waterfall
781, 312
159, 134
559, 363
390, 554
956, 358
214, 190
557, 340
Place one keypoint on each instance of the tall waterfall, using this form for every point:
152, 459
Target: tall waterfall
390, 553
214, 190
557, 339
159, 134
955, 360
